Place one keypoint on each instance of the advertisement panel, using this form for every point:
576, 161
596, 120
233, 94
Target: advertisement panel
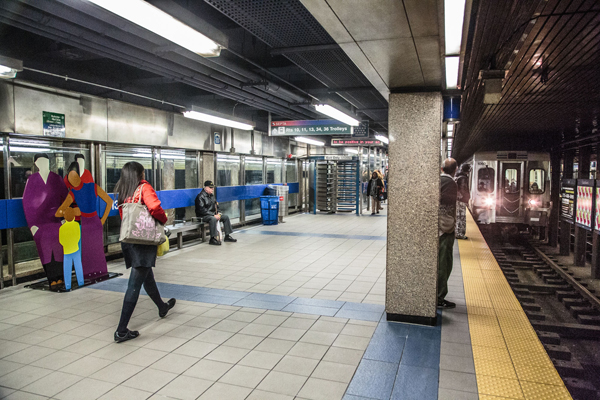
596, 204
584, 203
567, 200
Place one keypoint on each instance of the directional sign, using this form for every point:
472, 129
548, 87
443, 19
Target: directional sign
310, 127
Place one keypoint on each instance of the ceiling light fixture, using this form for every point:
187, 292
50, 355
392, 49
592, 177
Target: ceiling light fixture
382, 138
216, 118
308, 141
155, 20
454, 14
351, 150
334, 113
9, 67
452, 72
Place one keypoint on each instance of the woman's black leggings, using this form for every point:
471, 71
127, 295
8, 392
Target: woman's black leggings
139, 276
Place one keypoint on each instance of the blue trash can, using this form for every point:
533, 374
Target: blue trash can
269, 209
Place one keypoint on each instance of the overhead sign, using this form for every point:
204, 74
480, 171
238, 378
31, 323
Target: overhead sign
567, 199
362, 130
54, 124
310, 127
335, 157
356, 142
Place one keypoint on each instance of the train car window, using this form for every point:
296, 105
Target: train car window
485, 180
537, 181
511, 180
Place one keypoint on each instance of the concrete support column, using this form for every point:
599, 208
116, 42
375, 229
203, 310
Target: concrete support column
412, 244
555, 198
581, 233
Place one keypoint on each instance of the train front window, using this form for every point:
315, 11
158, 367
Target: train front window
537, 181
511, 181
485, 180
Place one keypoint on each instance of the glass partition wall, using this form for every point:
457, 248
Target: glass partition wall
228, 174
253, 175
165, 169
24, 255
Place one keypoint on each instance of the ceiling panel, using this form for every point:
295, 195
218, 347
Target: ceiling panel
550, 50
400, 65
373, 19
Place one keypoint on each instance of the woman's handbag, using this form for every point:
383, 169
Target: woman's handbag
139, 226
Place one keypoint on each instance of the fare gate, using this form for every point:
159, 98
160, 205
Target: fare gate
335, 185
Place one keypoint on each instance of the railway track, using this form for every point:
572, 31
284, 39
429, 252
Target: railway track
562, 308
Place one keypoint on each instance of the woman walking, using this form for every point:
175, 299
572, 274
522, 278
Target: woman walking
374, 189
132, 187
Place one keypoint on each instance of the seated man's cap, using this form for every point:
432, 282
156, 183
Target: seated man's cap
210, 184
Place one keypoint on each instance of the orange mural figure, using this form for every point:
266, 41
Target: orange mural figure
86, 194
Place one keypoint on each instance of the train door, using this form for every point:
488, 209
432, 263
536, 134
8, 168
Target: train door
510, 181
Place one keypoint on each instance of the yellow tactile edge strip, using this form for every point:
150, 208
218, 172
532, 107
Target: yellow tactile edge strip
510, 361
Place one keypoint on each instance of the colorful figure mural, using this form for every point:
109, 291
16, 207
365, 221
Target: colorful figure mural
70, 239
43, 195
86, 194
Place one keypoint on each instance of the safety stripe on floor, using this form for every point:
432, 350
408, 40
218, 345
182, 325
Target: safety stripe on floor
306, 234
510, 360
328, 308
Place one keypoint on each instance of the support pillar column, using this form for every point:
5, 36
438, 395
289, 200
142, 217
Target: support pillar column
555, 198
412, 242
581, 233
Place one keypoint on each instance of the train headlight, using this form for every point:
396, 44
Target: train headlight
489, 202
533, 203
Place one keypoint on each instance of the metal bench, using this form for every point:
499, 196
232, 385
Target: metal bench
179, 227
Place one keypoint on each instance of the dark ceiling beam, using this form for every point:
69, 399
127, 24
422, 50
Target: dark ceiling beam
65, 30
303, 49
350, 89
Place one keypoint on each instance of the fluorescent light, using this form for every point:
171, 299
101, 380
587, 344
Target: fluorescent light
155, 20
454, 14
336, 114
9, 67
351, 150
308, 141
217, 120
452, 72
382, 138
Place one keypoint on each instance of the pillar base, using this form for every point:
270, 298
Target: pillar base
412, 319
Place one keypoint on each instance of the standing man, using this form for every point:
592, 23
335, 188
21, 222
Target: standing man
206, 208
463, 196
446, 225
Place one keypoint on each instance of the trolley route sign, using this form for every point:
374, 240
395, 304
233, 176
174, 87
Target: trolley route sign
356, 142
310, 127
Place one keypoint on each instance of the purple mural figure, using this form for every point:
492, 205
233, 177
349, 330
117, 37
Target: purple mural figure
85, 194
43, 195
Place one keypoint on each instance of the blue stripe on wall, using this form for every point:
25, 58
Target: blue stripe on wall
12, 215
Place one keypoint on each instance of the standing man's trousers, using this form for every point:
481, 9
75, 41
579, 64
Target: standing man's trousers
445, 261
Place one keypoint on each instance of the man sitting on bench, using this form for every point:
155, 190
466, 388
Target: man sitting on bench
206, 208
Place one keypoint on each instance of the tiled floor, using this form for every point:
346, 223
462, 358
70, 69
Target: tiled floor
331, 257
289, 312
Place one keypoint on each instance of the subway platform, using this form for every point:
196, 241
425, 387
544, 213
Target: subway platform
293, 311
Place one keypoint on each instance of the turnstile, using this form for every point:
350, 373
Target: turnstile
327, 186
347, 186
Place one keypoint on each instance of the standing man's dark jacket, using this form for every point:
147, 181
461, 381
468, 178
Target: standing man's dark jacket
206, 204
447, 209
462, 180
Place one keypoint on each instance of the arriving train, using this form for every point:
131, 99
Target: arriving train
510, 187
